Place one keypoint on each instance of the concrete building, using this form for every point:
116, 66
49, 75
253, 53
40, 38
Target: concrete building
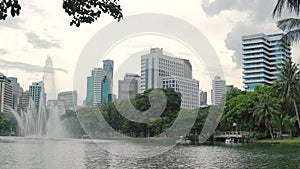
128, 88
37, 92
23, 102
162, 71
218, 90
17, 91
263, 55
189, 89
6, 94
203, 98
69, 98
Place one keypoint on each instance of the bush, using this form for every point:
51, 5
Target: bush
260, 136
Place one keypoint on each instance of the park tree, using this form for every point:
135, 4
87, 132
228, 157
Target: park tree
81, 11
288, 84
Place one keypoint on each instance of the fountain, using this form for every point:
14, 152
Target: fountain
37, 120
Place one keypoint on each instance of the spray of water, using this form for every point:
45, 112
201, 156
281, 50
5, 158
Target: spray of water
37, 120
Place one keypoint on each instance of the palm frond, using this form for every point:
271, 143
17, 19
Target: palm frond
292, 37
292, 6
289, 24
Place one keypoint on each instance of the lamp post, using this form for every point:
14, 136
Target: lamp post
234, 126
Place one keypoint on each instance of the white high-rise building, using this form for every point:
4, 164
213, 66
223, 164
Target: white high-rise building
6, 94
162, 71
263, 55
36, 92
218, 90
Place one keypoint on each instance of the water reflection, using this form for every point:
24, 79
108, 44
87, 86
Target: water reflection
42, 153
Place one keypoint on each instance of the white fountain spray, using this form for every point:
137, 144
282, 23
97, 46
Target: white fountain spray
37, 121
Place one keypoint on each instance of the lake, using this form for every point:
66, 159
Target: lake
18, 152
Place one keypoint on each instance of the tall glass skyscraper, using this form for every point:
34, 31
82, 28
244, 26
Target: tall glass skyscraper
99, 85
263, 56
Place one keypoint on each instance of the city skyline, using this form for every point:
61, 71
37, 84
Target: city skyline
36, 42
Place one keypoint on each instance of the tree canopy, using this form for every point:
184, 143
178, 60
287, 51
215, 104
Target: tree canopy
81, 11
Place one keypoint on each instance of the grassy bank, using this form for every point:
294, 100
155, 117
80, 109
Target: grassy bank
281, 141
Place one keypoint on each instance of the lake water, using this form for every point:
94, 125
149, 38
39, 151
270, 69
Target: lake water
71, 153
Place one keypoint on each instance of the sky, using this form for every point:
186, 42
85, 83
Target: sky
42, 30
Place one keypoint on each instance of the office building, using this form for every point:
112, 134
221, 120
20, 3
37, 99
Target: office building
98, 87
218, 90
17, 91
37, 92
6, 94
128, 87
162, 71
263, 55
203, 98
23, 102
69, 98
108, 66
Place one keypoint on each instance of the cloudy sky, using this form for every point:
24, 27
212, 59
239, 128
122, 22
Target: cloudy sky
43, 30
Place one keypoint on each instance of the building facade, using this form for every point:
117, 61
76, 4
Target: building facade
99, 86
6, 94
162, 71
128, 88
218, 90
69, 98
17, 91
23, 102
203, 98
108, 66
263, 56
36, 92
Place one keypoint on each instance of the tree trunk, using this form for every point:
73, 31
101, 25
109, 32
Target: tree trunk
270, 130
296, 110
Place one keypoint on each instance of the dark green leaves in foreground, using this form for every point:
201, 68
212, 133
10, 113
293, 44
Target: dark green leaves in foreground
87, 11
81, 11
9, 6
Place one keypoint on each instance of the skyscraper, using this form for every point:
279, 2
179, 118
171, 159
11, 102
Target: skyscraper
162, 71
98, 87
108, 66
218, 90
36, 92
6, 94
263, 55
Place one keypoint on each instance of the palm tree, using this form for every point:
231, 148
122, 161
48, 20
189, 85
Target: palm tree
288, 84
290, 25
266, 111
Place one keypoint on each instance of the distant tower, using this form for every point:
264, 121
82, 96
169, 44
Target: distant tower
218, 90
263, 55
108, 66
